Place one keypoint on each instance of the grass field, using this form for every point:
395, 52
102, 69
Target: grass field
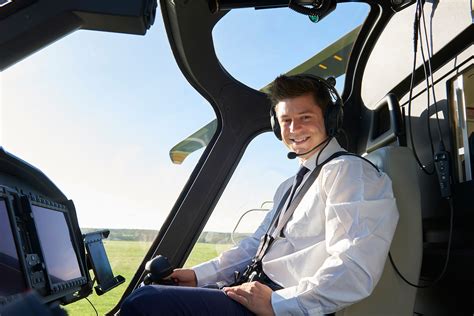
125, 256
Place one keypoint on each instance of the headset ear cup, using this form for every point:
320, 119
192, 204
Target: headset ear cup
274, 122
333, 119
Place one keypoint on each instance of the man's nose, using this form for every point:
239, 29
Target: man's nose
294, 125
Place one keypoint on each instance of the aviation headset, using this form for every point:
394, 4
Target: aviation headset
333, 115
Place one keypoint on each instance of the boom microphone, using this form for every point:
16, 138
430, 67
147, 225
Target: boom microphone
293, 155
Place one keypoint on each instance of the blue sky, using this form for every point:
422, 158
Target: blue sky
98, 112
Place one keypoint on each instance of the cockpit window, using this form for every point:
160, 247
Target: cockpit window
396, 56
98, 113
270, 42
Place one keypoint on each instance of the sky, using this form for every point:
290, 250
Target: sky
98, 113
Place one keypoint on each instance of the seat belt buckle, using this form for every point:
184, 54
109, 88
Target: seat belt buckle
236, 276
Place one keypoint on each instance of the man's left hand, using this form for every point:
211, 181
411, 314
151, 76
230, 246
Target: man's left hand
255, 296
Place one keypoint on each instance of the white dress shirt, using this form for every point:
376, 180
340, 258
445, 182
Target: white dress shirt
334, 246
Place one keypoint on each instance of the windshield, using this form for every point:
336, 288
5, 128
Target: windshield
98, 113
275, 41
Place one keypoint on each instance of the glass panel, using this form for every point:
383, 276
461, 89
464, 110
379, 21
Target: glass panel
463, 117
394, 48
59, 255
262, 168
273, 41
98, 113
10, 270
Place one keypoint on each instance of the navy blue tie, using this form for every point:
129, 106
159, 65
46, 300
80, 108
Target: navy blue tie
296, 183
299, 177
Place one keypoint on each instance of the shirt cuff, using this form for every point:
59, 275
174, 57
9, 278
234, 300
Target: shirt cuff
284, 302
205, 273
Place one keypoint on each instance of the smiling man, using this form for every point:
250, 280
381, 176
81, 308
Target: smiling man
324, 244
301, 121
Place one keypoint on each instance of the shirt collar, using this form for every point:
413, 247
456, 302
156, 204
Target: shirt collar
330, 149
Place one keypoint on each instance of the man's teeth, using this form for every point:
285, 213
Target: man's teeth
299, 140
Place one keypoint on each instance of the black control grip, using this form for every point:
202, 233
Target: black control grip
159, 268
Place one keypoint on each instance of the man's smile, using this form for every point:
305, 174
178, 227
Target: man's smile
299, 140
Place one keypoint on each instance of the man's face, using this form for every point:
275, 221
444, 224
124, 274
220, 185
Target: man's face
302, 124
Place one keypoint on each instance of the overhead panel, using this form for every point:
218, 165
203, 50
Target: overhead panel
29, 25
9, 7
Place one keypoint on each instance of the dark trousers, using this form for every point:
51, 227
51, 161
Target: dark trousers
154, 300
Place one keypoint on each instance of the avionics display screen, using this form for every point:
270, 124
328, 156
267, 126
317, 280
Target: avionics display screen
58, 251
11, 275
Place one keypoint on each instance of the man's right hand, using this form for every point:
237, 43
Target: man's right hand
184, 277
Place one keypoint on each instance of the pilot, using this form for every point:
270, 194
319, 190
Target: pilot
321, 248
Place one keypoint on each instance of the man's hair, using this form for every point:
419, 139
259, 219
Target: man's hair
284, 87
